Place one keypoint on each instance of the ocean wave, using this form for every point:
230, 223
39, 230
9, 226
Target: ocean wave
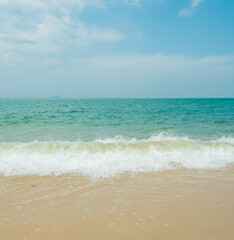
113, 156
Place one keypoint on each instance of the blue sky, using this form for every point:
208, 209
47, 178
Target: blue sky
117, 48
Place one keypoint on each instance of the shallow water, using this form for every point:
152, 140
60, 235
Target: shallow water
26, 120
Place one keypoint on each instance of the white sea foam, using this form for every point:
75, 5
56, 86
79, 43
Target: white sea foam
110, 157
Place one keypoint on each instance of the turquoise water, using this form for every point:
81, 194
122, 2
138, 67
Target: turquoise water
89, 119
105, 137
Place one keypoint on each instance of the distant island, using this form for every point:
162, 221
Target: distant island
56, 97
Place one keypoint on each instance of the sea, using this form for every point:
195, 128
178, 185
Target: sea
109, 137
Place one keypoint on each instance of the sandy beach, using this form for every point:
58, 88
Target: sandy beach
116, 120
180, 204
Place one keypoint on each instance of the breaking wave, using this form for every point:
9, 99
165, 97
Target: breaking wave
110, 157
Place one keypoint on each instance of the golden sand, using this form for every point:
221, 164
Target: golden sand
182, 204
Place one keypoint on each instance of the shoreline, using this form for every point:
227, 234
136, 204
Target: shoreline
179, 204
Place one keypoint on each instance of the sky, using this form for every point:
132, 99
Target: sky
116, 48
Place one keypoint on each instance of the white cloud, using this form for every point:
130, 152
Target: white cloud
155, 63
189, 11
196, 2
42, 26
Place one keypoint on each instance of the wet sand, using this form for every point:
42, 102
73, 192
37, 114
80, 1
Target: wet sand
181, 204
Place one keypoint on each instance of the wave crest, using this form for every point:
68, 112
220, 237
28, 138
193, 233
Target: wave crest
109, 157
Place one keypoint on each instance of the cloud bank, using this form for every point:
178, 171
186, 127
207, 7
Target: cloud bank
157, 75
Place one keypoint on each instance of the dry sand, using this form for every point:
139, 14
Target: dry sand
181, 204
